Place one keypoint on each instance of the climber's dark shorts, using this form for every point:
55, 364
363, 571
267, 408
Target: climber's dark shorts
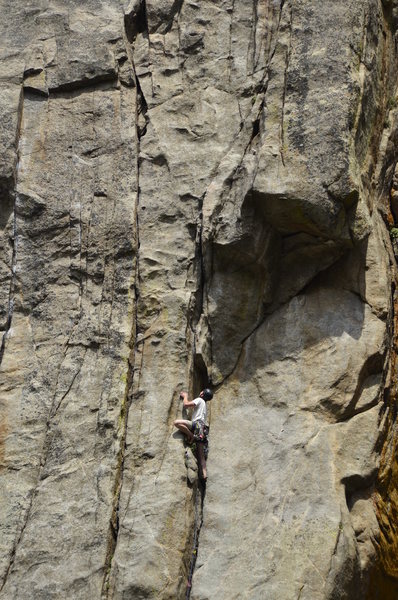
199, 429
200, 432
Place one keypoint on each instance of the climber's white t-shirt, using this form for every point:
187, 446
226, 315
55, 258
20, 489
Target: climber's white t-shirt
200, 410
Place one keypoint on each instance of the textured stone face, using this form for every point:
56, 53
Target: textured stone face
191, 194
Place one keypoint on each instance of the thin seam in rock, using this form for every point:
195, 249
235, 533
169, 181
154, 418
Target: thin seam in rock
114, 528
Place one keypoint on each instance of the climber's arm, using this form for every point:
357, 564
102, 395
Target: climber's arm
185, 400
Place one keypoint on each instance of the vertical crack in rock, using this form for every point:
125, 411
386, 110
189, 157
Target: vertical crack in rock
200, 494
117, 488
13, 267
133, 24
136, 21
271, 53
199, 378
10, 309
197, 299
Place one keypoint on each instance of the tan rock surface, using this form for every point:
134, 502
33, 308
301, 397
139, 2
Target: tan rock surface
194, 193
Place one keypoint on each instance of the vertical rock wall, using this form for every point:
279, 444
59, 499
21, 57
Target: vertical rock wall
197, 193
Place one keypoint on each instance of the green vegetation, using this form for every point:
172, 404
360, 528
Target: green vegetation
394, 233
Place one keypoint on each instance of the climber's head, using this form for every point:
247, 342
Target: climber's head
206, 394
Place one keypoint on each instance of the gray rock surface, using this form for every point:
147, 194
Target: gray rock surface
195, 193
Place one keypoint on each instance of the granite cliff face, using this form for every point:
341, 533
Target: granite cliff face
198, 193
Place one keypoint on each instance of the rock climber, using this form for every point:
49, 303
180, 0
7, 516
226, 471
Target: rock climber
196, 430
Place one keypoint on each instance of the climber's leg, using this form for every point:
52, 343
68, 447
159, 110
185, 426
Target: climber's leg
185, 427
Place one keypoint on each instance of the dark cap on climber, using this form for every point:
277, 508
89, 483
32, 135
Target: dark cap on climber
207, 394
